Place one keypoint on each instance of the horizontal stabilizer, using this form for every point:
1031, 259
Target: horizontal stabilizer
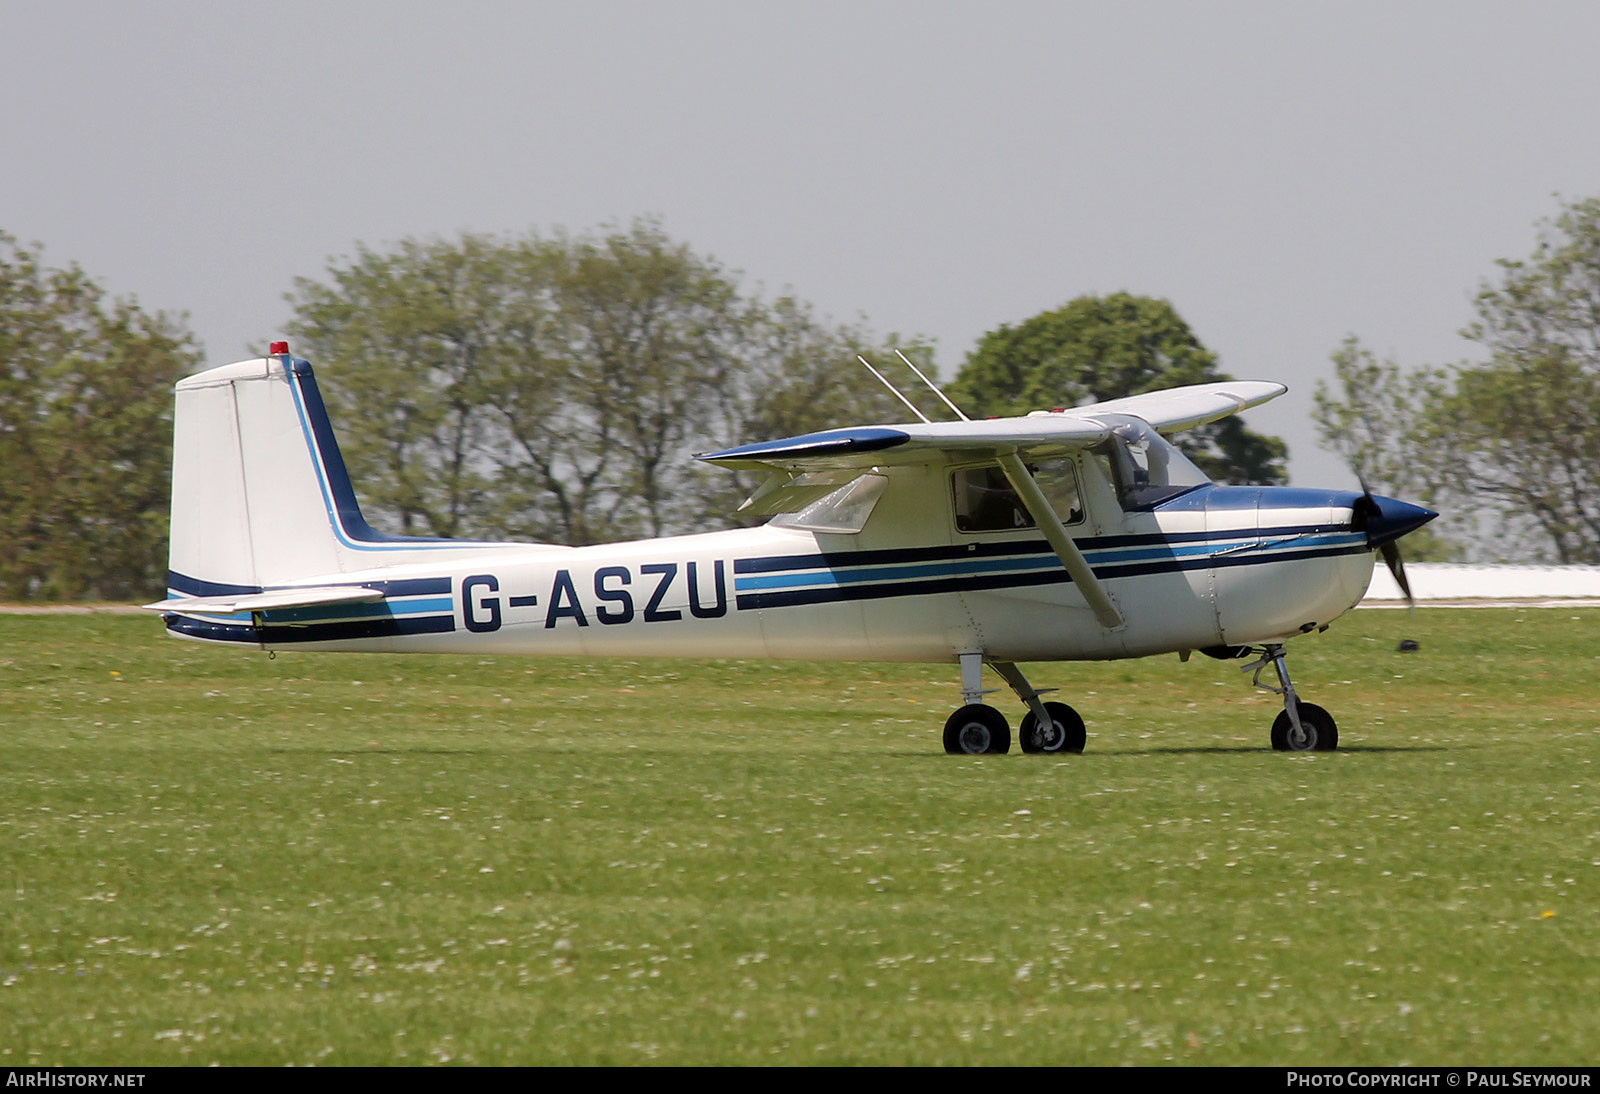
309, 597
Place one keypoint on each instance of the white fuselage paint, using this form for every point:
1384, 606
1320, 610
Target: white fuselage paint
907, 587
262, 507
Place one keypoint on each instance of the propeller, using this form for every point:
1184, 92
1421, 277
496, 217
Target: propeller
1369, 508
1385, 520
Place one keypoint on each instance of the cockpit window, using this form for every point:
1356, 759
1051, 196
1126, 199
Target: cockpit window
985, 502
1146, 468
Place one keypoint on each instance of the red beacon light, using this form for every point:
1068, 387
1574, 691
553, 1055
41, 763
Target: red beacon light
278, 349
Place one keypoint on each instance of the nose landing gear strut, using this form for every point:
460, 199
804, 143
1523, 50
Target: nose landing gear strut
1302, 727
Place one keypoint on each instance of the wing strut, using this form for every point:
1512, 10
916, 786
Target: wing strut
932, 386
1056, 533
885, 381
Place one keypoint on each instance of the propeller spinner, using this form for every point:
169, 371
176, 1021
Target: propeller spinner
1385, 520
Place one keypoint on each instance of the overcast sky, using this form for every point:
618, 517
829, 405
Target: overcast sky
1285, 173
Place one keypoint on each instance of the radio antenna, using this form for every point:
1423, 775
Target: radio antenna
884, 380
932, 386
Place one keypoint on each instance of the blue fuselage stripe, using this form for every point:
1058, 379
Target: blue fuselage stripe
428, 605
891, 573
802, 571
826, 588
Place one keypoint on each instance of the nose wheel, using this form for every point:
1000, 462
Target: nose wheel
1318, 732
1301, 727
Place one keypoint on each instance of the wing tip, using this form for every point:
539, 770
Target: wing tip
830, 442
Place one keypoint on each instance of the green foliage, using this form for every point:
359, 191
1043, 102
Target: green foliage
1514, 441
555, 388
208, 856
1097, 348
1525, 425
1374, 423
409, 342
1378, 424
85, 435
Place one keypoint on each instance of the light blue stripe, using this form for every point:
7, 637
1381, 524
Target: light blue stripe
1104, 557
345, 612
1114, 555
893, 573
417, 607
1239, 546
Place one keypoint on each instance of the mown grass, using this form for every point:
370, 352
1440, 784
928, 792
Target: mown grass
213, 857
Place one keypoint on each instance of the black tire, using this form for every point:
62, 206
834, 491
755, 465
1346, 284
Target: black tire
976, 730
1321, 730
1066, 735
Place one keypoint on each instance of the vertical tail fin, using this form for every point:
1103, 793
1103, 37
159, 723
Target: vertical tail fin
260, 496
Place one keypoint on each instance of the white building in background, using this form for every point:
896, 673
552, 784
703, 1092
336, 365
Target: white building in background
1446, 581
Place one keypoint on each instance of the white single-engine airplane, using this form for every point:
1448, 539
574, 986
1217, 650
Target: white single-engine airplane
1065, 535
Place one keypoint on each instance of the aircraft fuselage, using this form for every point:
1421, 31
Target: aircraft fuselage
1060, 535
1218, 566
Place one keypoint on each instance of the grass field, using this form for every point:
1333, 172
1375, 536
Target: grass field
209, 856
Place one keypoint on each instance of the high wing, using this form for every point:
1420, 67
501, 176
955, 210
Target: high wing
802, 469
1042, 434
916, 442
1180, 408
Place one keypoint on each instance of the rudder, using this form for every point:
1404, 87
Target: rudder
252, 502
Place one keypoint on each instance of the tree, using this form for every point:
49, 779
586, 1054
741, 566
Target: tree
554, 388
1524, 426
654, 334
85, 435
1511, 442
1097, 348
415, 342
1379, 428
1376, 425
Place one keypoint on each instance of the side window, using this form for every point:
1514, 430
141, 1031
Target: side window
985, 502
1059, 481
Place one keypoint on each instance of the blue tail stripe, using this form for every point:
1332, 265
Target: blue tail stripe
338, 495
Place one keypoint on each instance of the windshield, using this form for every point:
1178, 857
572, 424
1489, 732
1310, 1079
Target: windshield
1146, 468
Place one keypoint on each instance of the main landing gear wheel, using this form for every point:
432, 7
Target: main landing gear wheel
1321, 733
1064, 734
977, 729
